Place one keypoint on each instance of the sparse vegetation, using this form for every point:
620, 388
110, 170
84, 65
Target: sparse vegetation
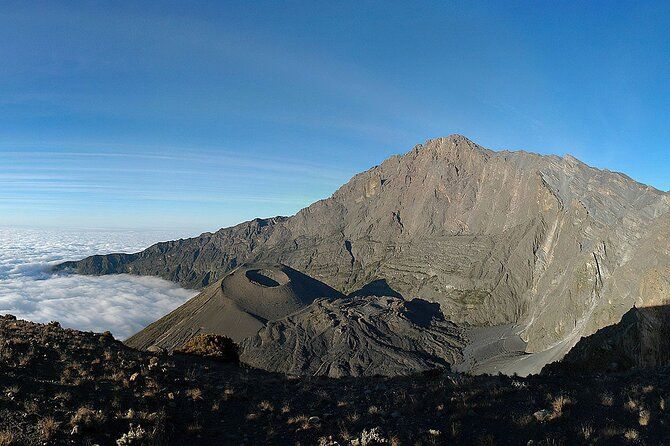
559, 404
586, 431
47, 428
607, 399
644, 417
87, 418
266, 406
211, 346
136, 398
631, 435
6, 438
194, 394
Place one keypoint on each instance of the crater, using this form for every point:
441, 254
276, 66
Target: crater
267, 278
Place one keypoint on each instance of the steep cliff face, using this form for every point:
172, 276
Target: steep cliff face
599, 236
543, 242
640, 337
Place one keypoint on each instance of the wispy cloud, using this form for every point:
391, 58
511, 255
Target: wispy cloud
226, 158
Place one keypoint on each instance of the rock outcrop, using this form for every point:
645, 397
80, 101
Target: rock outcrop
363, 336
543, 242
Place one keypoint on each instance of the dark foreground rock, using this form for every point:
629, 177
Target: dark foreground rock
64, 387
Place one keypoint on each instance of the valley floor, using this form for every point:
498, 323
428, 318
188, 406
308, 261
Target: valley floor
499, 349
61, 386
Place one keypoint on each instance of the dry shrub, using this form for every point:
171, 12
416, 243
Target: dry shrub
644, 417
212, 346
631, 404
47, 427
87, 418
586, 431
297, 419
6, 438
522, 420
455, 429
607, 399
266, 406
631, 435
486, 440
559, 404
610, 431
195, 426
62, 396
195, 394
374, 410
31, 407
302, 421
344, 431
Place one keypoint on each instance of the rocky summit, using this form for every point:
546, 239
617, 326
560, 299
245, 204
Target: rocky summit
546, 248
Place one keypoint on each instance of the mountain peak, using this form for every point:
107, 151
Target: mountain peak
454, 139
452, 146
494, 238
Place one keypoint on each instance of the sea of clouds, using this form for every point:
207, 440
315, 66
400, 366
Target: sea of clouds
122, 304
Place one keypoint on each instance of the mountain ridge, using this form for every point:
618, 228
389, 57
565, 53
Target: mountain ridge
493, 237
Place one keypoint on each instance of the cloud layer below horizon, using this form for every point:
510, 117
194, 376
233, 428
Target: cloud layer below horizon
121, 304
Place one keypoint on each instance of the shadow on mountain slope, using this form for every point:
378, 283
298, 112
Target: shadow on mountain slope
423, 313
379, 287
640, 340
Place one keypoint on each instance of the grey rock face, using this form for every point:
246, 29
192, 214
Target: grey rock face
640, 340
356, 337
546, 243
642, 336
194, 263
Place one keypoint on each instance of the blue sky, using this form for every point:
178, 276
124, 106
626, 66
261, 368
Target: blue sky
201, 115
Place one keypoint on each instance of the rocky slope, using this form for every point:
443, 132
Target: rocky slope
65, 387
288, 322
357, 337
640, 340
543, 242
